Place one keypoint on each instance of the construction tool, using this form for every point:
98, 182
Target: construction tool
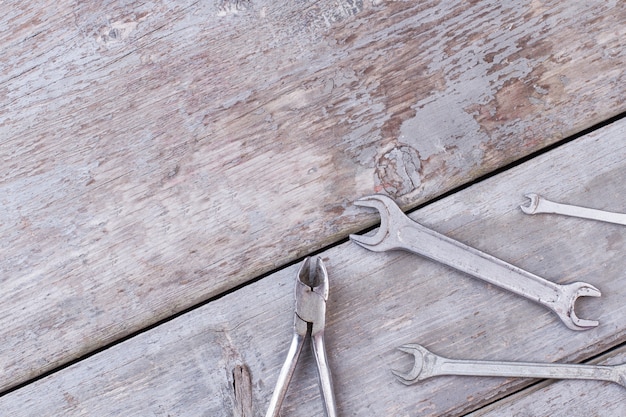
427, 365
539, 204
397, 231
310, 314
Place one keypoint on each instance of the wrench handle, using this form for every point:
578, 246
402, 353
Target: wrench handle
526, 370
426, 242
550, 207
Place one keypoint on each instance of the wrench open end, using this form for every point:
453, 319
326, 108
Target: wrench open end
411, 377
576, 290
531, 208
386, 207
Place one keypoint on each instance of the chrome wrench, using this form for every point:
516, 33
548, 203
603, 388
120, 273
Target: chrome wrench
538, 204
427, 365
397, 231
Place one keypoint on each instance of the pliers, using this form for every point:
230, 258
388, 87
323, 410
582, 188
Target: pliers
311, 294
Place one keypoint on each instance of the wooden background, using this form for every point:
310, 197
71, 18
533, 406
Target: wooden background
165, 164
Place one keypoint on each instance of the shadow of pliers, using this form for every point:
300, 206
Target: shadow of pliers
311, 294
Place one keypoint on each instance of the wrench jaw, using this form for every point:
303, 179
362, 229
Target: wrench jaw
383, 239
418, 372
531, 208
411, 377
565, 307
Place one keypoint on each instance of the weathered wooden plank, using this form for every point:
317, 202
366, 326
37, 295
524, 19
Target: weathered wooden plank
565, 398
379, 301
156, 154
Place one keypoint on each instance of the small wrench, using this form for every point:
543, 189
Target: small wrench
538, 204
397, 231
427, 365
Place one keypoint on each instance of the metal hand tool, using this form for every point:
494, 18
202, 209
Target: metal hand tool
311, 295
538, 204
397, 231
427, 365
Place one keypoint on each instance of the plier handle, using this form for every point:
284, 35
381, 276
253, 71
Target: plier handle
311, 294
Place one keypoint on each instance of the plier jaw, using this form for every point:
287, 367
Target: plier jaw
311, 294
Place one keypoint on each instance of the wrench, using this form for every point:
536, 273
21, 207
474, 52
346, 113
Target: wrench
427, 365
397, 231
538, 204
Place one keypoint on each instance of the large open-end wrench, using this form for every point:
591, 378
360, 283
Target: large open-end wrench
427, 365
538, 204
397, 231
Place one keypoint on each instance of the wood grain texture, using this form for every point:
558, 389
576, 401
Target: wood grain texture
565, 398
379, 301
242, 386
156, 154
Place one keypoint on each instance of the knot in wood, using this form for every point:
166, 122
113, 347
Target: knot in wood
398, 171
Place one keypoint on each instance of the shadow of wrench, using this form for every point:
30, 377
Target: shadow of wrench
427, 365
539, 204
397, 231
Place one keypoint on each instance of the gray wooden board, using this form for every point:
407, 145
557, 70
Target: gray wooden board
157, 154
379, 301
565, 398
